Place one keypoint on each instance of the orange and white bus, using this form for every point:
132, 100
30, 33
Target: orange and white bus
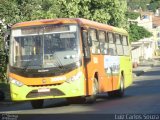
67, 58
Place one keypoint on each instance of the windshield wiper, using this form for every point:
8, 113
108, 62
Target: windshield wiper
28, 64
58, 62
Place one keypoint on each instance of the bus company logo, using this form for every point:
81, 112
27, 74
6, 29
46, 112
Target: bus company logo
44, 81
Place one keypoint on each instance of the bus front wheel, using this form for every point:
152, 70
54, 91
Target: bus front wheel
92, 98
37, 104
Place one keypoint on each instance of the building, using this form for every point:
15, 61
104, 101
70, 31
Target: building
145, 49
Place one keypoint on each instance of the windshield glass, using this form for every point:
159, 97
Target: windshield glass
45, 46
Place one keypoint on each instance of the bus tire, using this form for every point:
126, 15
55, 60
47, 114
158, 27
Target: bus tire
92, 98
37, 103
119, 92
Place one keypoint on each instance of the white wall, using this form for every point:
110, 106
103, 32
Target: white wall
136, 53
144, 51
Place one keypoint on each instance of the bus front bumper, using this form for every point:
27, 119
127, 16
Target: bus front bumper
64, 90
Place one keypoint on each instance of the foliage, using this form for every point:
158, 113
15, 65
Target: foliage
143, 4
105, 11
137, 32
9, 11
138, 4
112, 12
154, 4
132, 15
117, 13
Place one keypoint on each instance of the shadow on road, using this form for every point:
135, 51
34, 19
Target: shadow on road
145, 91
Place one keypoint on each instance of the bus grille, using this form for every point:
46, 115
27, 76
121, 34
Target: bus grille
44, 85
52, 92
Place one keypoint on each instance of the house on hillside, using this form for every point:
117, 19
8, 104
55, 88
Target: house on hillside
145, 48
156, 31
142, 50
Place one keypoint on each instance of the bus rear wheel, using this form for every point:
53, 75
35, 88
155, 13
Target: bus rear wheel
120, 91
37, 104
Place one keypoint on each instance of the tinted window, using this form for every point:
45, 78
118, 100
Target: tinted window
95, 42
125, 45
112, 47
103, 44
119, 44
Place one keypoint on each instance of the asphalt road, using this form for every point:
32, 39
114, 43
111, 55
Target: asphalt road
143, 97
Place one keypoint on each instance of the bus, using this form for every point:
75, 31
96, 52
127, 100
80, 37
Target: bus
70, 58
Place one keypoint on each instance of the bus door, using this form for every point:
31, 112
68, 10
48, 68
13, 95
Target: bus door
86, 43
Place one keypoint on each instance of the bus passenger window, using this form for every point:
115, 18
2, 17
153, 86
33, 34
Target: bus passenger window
112, 46
125, 45
103, 45
119, 44
95, 42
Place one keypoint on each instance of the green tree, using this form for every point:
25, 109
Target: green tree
9, 11
132, 15
137, 32
117, 11
138, 4
154, 4
47, 9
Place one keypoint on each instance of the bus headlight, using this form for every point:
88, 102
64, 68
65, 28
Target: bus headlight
16, 82
75, 77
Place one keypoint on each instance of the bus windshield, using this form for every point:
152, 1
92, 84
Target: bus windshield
45, 46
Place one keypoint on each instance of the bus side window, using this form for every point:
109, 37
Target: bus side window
103, 44
112, 46
119, 44
106, 51
125, 45
95, 42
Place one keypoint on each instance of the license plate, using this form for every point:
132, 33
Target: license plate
44, 90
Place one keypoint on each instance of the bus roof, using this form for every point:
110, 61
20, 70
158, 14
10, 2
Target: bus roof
80, 21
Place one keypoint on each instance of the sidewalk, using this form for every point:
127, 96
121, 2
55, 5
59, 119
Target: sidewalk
145, 66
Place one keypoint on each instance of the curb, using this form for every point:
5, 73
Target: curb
6, 102
9, 102
138, 74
